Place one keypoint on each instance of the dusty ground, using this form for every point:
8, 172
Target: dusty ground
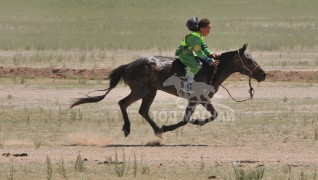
60, 73
276, 129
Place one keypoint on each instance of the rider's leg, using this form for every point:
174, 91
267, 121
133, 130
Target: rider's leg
187, 80
191, 71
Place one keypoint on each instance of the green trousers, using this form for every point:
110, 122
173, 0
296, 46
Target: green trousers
192, 66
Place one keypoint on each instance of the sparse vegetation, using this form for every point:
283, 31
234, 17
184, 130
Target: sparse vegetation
280, 123
37, 141
121, 166
144, 167
202, 165
76, 115
49, 169
302, 176
91, 28
135, 166
79, 163
1, 143
11, 173
61, 169
82, 80
253, 174
9, 97
104, 34
287, 169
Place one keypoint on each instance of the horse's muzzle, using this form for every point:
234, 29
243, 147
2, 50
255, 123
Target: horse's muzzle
261, 77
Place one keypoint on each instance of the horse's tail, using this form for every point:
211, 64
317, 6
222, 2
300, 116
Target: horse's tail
115, 76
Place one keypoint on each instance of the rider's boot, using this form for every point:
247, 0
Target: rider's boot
187, 84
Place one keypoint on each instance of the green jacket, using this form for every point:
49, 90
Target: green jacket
193, 45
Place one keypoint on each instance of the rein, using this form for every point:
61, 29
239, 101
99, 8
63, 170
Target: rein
251, 90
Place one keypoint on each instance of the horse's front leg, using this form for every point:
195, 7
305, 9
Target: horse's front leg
208, 106
187, 115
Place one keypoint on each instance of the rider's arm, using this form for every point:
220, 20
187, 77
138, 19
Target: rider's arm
205, 49
195, 44
179, 49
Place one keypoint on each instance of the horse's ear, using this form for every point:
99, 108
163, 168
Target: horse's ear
243, 49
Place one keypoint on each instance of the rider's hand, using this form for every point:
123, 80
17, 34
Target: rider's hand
215, 55
215, 63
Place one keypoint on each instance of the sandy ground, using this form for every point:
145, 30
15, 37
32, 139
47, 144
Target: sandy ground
94, 146
280, 136
61, 73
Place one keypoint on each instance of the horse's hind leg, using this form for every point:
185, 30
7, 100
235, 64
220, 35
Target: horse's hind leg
124, 103
144, 111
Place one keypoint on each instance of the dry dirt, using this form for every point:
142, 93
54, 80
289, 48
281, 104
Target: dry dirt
188, 152
272, 75
96, 145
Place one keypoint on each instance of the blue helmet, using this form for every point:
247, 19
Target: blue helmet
193, 24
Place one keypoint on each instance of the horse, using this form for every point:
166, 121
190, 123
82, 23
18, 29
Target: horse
146, 75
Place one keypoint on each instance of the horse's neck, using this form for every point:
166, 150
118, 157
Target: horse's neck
221, 76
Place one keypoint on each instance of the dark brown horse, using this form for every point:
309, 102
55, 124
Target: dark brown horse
146, 75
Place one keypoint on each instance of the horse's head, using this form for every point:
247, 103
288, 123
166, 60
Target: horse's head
248, 66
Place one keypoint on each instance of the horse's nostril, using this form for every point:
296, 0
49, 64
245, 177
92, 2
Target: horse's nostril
263, 74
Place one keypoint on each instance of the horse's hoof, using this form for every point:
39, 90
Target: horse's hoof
159, 134
126, 132
197, 122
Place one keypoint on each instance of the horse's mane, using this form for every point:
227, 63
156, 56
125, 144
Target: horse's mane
224, 61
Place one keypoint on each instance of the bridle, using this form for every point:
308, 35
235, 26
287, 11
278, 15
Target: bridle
251, 90
245, 67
